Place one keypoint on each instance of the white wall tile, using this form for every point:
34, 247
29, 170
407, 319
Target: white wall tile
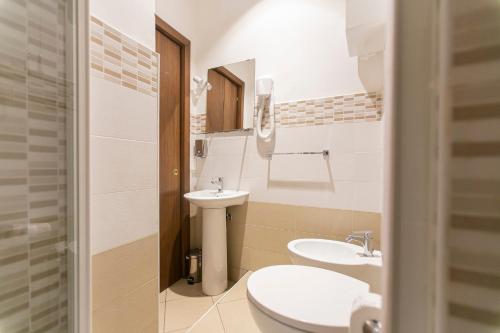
342, 166
134, 18
367, 196
367, 136
367, 167
312, 168
347, 180
310, 138
122, 217
255, 166
227, 145
122, 113
122, 165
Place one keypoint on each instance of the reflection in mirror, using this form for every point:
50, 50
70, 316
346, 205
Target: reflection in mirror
231, 99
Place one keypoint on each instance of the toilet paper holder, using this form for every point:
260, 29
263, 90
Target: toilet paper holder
372, 326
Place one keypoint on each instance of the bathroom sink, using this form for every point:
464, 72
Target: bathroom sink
340, 257
215, 199
214, 240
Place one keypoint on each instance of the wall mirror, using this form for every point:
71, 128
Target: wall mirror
231, 100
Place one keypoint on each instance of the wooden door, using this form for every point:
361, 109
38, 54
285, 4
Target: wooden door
224, 101
230, 105
171, 256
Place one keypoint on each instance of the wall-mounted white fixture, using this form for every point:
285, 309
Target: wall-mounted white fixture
201, 85
365, 27
265, 96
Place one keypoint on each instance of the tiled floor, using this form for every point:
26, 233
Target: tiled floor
230, 314
182, 305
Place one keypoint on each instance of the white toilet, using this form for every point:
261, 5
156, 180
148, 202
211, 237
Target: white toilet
297, 299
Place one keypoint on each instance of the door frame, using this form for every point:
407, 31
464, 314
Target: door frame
185, 46
80, 298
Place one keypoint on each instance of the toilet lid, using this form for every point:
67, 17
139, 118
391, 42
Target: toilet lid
308, 298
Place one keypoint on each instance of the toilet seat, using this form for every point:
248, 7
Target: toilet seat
306, 298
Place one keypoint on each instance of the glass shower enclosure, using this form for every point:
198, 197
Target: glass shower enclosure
38, 229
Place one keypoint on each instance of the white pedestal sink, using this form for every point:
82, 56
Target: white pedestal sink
214, 244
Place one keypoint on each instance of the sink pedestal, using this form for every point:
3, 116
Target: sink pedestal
214, 247
214, 244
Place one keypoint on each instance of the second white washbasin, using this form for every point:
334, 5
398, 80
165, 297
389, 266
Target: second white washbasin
340, 257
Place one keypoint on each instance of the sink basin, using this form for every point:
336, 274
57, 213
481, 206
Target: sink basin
214, 242
340, 257
214, 199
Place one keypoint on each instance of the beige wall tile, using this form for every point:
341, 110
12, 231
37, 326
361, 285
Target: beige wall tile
235, 273
262, 258
313, 220
302, 234
236, 257
342, 222
246, 259
196, 229
259, 232
235, 233
120, 271
133, 312
271, 215
367, 221
269, 239
239, 213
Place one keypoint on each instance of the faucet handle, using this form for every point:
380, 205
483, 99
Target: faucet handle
217, 180
367, 234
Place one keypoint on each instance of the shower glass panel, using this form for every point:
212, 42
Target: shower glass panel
37, 228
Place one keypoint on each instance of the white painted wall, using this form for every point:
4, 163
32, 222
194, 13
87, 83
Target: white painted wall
300, 43
123, 141
180, 14
134, 18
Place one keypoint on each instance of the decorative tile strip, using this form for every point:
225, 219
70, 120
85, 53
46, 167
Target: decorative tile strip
360, 107
121, 60
345, 108
198, 123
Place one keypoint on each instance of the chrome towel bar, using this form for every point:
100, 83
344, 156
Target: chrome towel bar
325, 153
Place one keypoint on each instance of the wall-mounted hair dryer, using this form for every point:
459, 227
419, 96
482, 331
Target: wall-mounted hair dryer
265, 96
201, 85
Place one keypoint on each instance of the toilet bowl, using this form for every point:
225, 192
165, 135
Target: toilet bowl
297, 299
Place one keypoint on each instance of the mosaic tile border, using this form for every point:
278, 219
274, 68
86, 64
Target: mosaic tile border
360, 107
121, 60
344, 108
198, 123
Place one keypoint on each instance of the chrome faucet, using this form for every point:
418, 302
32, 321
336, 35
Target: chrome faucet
365, 238
219, 181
